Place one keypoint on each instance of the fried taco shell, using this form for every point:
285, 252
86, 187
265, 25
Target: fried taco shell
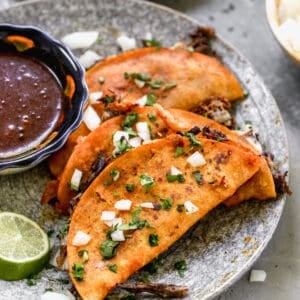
219, 180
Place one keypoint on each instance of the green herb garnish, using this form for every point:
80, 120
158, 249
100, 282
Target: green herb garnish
84, 254
181, 267
169, 86
113, 268
179, 151
172, 178
108, 248
122, 146
152, 43
155, 84
151, 99
139, 76
192, 138
198, 177
77, 271
137, 221
130, 187
63, 230
153, 266
108, 99
147, 182
130, 119
115, 174
153, 239
166, 203
152, 118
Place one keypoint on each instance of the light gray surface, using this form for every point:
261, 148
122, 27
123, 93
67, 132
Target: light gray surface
245, 26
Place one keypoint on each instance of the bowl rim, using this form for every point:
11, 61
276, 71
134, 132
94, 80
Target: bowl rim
31, 158
271, 7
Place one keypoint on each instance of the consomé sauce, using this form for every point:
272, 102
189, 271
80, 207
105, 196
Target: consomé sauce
31, 103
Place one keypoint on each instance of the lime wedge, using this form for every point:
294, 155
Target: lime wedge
24, 247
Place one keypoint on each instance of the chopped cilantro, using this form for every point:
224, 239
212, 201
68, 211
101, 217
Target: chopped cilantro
147, 182
77, 271
84, 254
166, 203
130, 187
50, 232
151, 99
32, 279
108, 99
131, 132
152, 118
198, 177
179, 151
152, 43
108, 248
139, 76
169, 86
153, 239
144, 278
113, 268
156, 84
122, 146
130, 119
192, 138
180, 207
172, 178
137, 221
181, 267
115, 174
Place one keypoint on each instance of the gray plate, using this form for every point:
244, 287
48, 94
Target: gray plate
224, 244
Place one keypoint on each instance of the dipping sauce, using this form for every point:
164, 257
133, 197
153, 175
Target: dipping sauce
31, 103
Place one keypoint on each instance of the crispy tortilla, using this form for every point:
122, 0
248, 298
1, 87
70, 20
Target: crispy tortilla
197, 77
173, 120
220, 181
100, 142
260, 187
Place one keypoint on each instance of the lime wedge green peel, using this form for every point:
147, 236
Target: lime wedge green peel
24, 247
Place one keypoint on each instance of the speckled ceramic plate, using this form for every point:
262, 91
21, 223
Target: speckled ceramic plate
224, 244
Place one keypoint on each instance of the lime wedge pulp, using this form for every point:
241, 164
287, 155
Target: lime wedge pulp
24, 247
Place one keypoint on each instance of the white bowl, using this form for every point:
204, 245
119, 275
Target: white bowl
273, 20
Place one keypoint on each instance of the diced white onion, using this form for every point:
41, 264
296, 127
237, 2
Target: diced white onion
147, 205
126, 43
135, 142
76, 179
118, 135
196, 159
81, 238
148, 36
257, 276
115, 221
56, 296
89, 58
107, 215
80, 39
118, 236
95, 96
175, 171
139, 83
142, 101
143, 131
91, 118
190, 207
123, 204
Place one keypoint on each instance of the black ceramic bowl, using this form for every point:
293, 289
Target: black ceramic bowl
38, 44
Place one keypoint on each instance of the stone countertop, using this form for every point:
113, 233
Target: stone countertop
244, 25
